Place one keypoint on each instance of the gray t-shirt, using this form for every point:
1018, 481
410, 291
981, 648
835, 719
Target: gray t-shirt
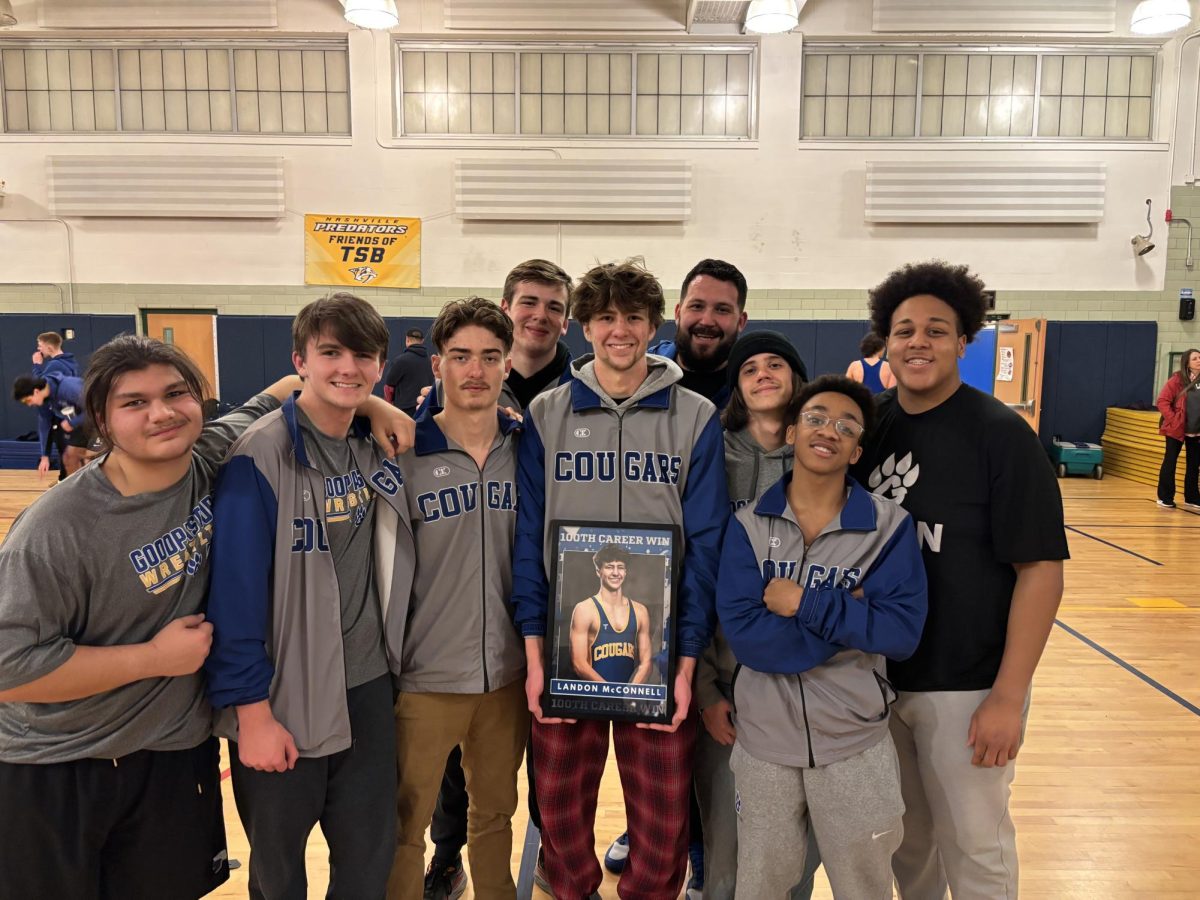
350, 530
86, 566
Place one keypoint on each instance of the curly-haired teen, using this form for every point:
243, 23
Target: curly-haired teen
989, 516
955, 286
579, 459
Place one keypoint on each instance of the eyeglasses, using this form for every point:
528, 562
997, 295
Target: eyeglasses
845, 427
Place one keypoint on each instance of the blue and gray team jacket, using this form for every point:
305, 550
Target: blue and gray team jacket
460, 637
656, 457
274, 596
811, 689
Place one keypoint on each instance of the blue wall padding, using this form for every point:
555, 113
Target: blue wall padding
18, 340
1090, 366
255, 351
978, 365
825, 346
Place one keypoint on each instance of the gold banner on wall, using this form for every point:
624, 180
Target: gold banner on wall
372, 251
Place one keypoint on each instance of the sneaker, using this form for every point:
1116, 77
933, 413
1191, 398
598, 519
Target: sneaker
539, 873
618, 852
1194, 506
445, 881
695, 885
1164, 504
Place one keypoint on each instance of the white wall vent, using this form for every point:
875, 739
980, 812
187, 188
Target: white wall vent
174, 187
158, 14
566, 15
720, 12
933, 193
1003, 16
561, 190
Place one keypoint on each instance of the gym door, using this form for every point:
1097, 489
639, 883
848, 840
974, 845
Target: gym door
1020, 349
195, 333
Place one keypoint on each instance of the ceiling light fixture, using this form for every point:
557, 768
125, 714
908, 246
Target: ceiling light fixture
379, 15
6, 14
1160, 16
772, 16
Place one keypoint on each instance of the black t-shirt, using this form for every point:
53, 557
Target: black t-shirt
983, 496
706, 384
525, 389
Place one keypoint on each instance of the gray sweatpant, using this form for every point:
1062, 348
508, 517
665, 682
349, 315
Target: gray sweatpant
957, 830
854, 805
714, 795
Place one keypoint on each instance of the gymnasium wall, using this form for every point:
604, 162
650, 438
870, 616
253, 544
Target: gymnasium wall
789, 212
18, 340
1089, 365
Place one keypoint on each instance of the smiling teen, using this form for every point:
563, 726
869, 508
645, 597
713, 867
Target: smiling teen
765, 374
600, 651
311, 561
989, 512
819, 581
620, 402
537, 300
462, 673
109, 774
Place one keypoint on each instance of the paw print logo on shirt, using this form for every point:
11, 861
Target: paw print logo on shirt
892, 479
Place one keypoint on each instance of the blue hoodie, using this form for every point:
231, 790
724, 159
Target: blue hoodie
63, 364
64, 403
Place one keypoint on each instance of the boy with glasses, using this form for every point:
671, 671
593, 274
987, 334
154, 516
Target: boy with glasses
819, 582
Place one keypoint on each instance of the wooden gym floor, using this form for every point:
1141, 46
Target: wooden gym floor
1107, 794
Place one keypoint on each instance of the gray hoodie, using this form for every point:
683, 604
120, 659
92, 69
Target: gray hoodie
655, 457
749, 470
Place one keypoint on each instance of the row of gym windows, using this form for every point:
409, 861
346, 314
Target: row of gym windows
651, 92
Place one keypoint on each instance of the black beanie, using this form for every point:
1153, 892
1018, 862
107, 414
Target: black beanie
751, 343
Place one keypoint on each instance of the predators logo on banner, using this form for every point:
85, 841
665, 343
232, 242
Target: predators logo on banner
376, 251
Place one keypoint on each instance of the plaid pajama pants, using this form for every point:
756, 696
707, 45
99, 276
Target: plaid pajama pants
656, 779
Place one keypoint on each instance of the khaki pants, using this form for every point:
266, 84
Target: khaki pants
492, 729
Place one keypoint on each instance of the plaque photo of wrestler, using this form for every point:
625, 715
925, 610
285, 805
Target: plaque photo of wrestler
609, 635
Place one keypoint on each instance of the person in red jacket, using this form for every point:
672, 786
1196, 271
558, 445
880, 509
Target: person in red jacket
1179, 403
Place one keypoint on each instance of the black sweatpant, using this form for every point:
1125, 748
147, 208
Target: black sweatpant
1191, 470
352, 794
147, 826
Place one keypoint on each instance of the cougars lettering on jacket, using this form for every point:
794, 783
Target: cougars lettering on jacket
816, 576
601, 465
457, 499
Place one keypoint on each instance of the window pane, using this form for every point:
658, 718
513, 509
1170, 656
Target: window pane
977, 94
814, 75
